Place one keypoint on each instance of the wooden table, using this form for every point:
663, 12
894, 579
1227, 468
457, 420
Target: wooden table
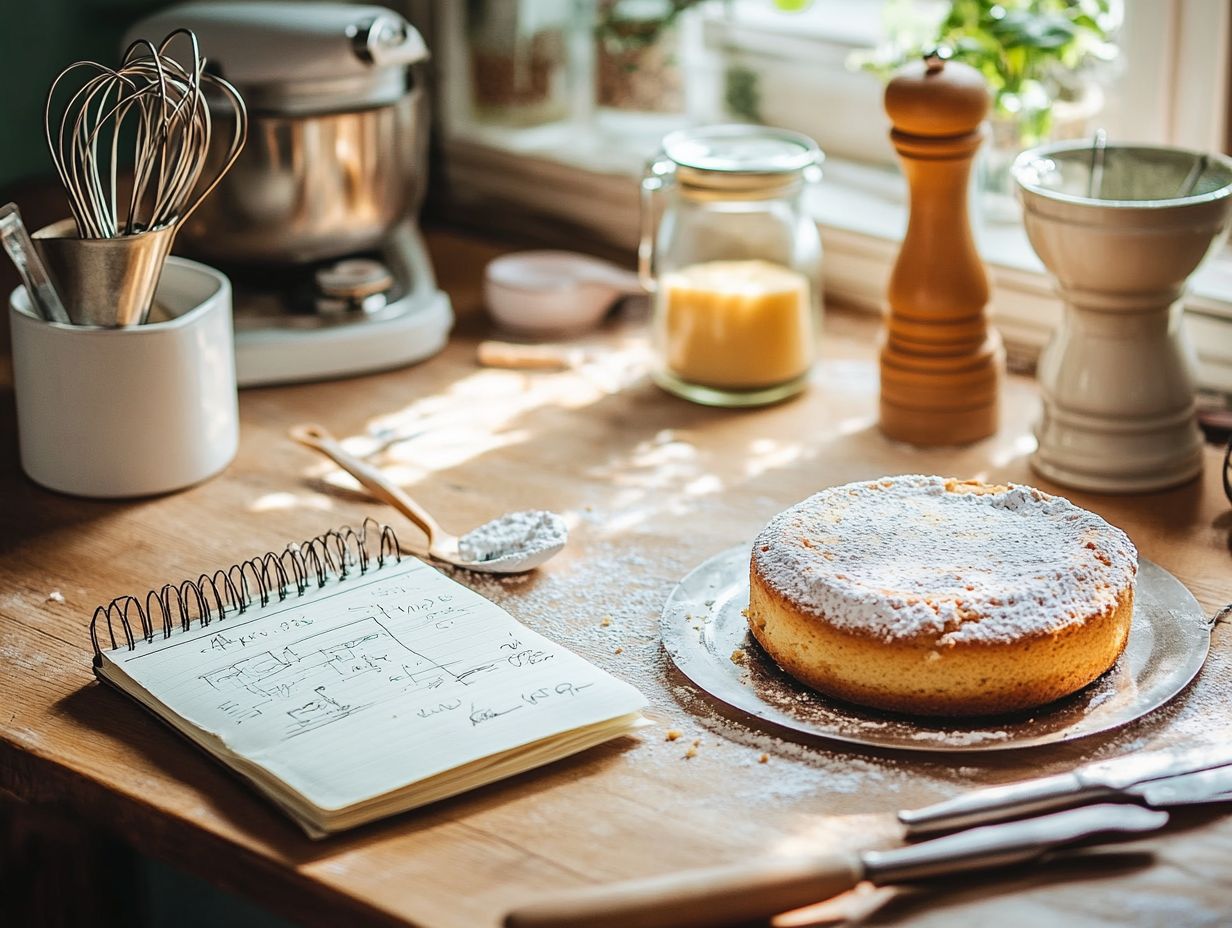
653, 486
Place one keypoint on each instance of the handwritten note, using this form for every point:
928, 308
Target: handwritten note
370, 684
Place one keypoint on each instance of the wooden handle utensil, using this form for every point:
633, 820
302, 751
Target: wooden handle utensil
696, 898
739, 893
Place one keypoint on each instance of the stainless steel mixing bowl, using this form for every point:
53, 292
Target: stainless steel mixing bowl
313, 187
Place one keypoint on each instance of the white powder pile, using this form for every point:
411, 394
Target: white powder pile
518, 535
918, 556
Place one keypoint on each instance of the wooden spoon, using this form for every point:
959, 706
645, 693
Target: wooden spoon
546, 539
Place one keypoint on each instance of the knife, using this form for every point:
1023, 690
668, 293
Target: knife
760, 889
1136, 777
1214, 785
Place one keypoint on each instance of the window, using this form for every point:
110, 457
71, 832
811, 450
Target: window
579, 124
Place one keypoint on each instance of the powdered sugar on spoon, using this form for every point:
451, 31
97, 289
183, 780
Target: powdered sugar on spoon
514, 542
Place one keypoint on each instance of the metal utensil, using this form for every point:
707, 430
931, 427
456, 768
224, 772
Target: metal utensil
43, 295
442, 546
173, 127
105, 281
1095, 175
1136, 777
1186, 789
157, 106
752, 891
1195, 174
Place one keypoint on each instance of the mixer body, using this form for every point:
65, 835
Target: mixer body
311, 187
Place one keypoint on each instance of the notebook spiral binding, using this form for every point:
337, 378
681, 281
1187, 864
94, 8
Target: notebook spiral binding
257, 580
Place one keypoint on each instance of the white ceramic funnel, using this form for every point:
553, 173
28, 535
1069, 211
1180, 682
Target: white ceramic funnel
1121, 229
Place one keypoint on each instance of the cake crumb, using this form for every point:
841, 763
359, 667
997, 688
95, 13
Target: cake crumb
697, 742
739, 656
605, 622
691, 752
673, 734
55, 596
619, 651
764, 759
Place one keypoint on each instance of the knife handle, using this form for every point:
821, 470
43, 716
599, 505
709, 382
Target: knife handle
999, 803
698, 898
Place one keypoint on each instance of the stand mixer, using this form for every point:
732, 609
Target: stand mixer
316, 222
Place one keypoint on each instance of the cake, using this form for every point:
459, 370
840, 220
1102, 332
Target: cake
933, 596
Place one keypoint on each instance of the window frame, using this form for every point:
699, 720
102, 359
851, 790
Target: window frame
1171, 46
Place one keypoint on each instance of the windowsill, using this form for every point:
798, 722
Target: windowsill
584, 177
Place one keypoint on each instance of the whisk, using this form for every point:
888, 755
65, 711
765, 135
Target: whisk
155, 107
170, 144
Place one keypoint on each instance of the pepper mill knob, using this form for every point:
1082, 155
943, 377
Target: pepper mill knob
936, 97
940, 362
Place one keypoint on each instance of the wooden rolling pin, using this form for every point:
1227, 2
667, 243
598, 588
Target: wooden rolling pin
940, 363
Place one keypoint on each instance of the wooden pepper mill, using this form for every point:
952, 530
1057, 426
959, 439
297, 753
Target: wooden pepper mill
940, 363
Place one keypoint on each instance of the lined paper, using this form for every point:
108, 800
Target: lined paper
373, 683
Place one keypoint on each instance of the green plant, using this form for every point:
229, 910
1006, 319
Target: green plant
624, 27
1032, 52
741, 94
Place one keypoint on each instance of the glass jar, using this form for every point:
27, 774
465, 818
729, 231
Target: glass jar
518, 53
733, 263
637, 53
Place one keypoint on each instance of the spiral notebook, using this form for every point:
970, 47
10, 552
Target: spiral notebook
347, 683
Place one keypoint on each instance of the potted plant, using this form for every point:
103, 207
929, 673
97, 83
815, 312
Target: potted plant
637, 51
518, 60
636, 64
1041, 59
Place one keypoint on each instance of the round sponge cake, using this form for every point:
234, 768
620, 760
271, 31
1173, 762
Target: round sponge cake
933, 596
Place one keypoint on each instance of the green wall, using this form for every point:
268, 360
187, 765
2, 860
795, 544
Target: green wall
38, 38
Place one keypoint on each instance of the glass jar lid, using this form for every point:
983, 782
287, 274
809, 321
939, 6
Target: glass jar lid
740, 156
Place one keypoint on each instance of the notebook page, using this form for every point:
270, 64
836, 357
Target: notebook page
373, 683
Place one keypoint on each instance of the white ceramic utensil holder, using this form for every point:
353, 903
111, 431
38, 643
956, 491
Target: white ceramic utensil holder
1117, 378
136, 411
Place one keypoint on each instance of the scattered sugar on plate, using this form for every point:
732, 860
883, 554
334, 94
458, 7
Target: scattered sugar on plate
55, 596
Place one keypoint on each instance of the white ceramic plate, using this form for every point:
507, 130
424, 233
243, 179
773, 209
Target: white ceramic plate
703, 624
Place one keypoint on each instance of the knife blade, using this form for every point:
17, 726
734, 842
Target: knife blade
1214, 785
1115, 778
1007, 843
758, 889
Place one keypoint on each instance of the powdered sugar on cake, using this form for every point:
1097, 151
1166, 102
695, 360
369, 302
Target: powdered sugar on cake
925, 557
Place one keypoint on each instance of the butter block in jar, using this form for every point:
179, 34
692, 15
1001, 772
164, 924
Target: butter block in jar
733, 258
735, 325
